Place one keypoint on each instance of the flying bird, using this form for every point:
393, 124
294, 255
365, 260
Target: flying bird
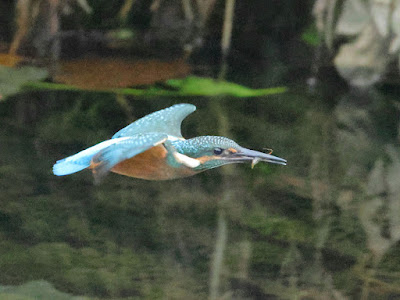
153, 148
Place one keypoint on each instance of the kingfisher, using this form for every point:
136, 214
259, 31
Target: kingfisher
153, 148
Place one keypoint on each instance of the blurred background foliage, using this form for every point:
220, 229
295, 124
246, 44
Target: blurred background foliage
327, 226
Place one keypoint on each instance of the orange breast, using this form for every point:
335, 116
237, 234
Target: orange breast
151, 165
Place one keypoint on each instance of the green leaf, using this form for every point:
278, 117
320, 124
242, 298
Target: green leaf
12, 80
199, 86
189, 86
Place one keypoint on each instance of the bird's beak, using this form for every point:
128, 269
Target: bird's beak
247, 155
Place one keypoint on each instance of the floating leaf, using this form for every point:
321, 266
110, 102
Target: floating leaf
190, 86
199, 86
12, 80
107, 73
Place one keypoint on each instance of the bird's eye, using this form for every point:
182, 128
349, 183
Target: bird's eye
218, 151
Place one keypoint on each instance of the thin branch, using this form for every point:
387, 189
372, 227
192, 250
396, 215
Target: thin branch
125, 9
23, 24
188, 10
226, 34
205, 7
217, 262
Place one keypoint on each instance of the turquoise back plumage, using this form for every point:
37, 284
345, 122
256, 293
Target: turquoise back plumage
166, 121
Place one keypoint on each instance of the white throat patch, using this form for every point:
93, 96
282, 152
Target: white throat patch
186, 160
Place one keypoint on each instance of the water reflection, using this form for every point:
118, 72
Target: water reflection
325, 226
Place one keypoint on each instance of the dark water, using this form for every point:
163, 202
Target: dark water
326, 226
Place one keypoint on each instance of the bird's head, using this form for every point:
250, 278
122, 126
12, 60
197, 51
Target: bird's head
215, 151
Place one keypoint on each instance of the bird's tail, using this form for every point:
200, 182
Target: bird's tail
72, 164
79, 161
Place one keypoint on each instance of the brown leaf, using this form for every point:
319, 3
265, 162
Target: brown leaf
102, 73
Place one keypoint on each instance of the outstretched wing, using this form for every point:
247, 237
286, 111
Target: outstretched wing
82, 159
126, 148
167, 121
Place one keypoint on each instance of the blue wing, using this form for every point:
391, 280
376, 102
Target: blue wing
126, 148
166, 121
107, 154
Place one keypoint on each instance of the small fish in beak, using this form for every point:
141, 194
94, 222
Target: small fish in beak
268, 150
247, 155
255, 161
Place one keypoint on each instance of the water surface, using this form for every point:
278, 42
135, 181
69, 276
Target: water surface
325, 226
